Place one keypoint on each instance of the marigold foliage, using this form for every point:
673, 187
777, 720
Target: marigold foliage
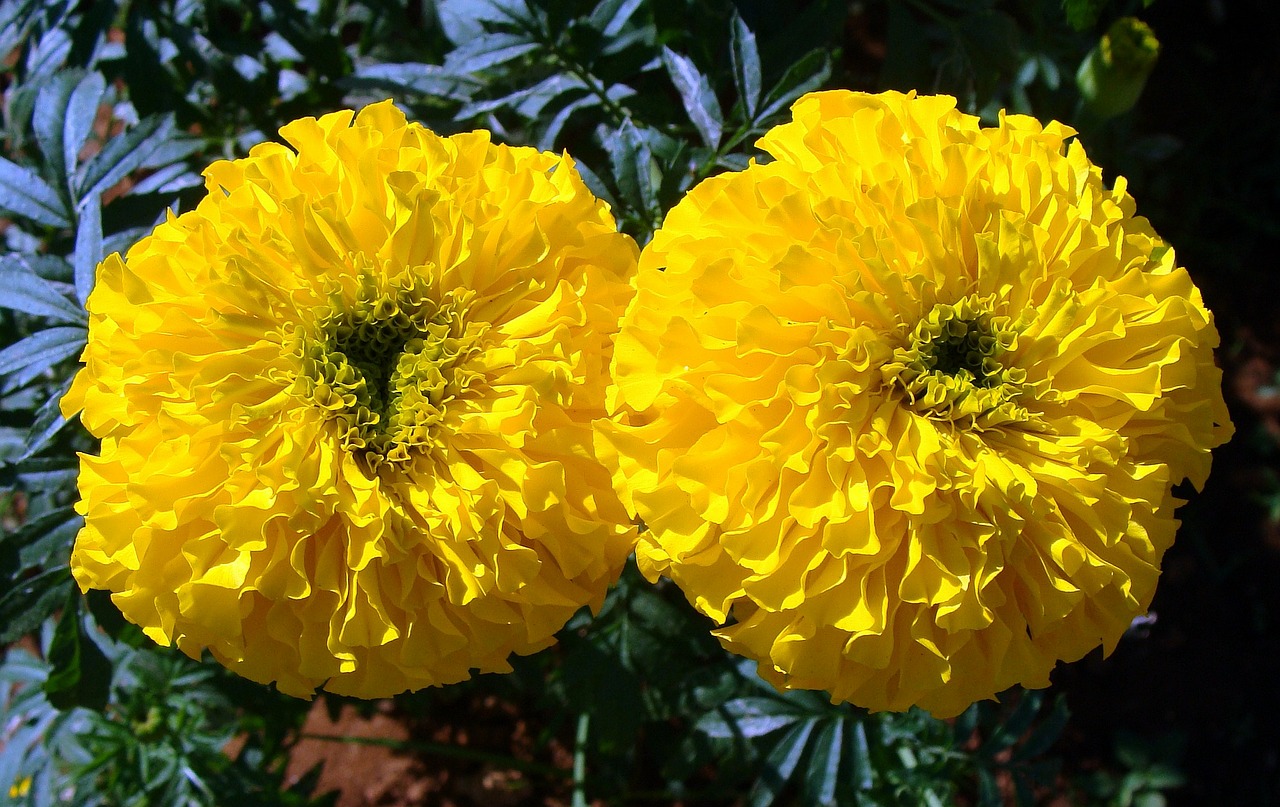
345, 408
903, 409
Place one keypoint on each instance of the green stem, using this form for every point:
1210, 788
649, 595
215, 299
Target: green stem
560, 59
580, 761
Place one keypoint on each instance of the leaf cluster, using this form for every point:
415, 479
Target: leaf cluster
112, 110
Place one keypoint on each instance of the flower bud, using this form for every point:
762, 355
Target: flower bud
1112, 76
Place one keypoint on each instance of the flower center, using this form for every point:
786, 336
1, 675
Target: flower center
386, 366
951, 367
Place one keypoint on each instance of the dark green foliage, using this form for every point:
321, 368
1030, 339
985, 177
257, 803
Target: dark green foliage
114, 108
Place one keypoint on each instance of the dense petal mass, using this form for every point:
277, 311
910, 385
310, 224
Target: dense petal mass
903, 408
346, 409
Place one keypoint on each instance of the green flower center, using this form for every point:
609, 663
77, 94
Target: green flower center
386, 366
952, 367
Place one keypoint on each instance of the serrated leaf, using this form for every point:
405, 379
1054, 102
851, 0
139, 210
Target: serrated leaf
745, 59
806, 75
412, 77
63, 118
167, 180
748, 717
630, 160
697, 96
48, 422
49, 54
122, 155
52, 268
81, 674
21, 289
88, 244
22, 191
611, 16
16, 20
44, 474
594, 184
538, 96
30, 601
488, 50
821, 776
860, 755
463, 20
528, 102
780, 764
50, 547
546, 141
43, 348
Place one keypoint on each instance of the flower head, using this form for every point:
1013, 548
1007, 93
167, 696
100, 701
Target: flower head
904, 408
346, 409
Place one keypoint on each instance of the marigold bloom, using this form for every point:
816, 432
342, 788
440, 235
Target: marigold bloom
346, 409
904, 409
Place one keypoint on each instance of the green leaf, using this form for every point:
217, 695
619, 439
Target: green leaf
860, 755
1012, 729
611, 16
821, 778
462, 20
488, 50
630, 160
746, 64
748, 717
122, 155
50, 267
26, 291
528, 102
412, 77
804, 76
46, 473
48, 422
49, 54
31, 600
16, 20
781, 764
81, 674
546, 141
595, 184
988, 789
25, 193
105, 612
88, 244
50, 545
696, 94
63, 118
43, 349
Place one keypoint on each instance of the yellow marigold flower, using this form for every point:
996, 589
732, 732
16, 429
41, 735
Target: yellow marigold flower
903, 409
346, 409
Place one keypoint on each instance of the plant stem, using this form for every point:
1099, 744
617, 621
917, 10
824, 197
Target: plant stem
580, 761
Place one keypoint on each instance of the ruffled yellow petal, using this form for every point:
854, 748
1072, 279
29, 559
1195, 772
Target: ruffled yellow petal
346, 409
903, 409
